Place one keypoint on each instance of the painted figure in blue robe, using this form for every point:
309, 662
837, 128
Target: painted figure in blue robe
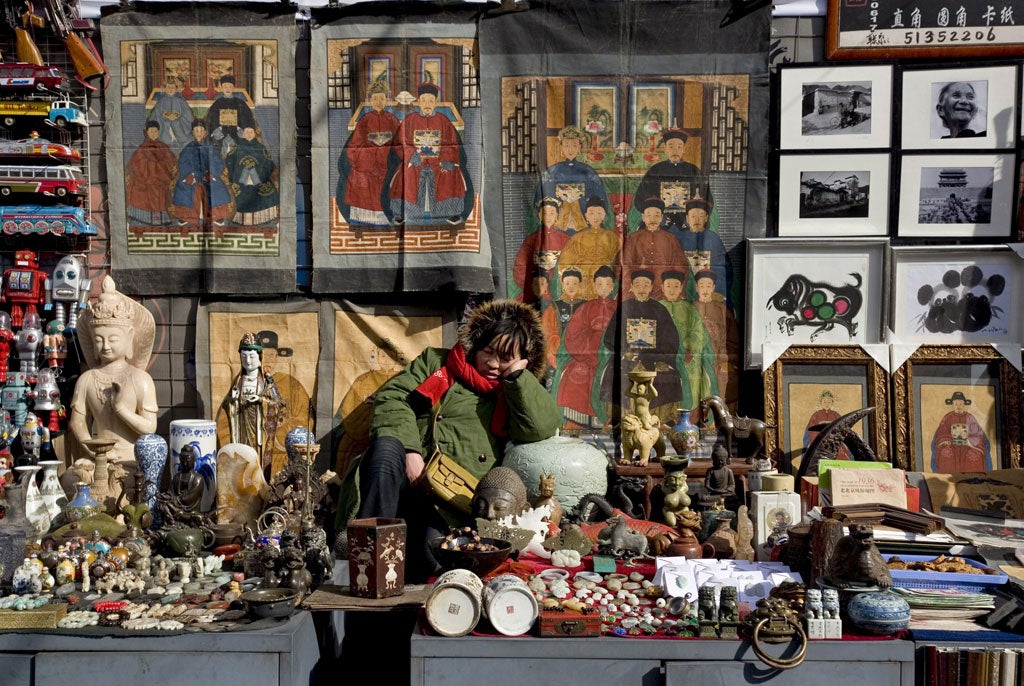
703, 248
572, 182
201, 194
173, 116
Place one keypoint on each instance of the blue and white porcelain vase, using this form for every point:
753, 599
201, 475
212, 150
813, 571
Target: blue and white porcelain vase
27, 578
151, 456
297, 439
878, 612
201, 434
684, 436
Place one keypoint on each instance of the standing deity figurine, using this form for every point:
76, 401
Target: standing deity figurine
254, 407
67, 292
115, 398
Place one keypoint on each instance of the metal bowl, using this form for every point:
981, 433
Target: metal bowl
261, 603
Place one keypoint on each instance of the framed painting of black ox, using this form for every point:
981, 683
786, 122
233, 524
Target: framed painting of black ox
803, 291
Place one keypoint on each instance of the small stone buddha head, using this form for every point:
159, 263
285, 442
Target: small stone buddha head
501, 492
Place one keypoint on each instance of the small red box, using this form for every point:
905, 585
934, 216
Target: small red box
555, 624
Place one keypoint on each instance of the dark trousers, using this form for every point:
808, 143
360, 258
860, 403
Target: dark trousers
385, 492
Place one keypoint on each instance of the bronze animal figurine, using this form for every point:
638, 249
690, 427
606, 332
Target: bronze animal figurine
751, 430
621, 541
857, 562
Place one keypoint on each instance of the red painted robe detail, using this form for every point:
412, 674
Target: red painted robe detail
437, 141
368, 155
582, 340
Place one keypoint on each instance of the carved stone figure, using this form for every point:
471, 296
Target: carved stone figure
641, 430
500, 493
621, 541
547, 497
812, 604
180, 504
719, 481
115, 398
254, 406
830, 603
857, 562
677, 498
744, 535
728, 609
707, 608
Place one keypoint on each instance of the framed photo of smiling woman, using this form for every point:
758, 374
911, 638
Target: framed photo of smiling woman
959, 109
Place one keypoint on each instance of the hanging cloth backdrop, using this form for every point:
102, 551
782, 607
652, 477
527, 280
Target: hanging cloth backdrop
397, 142
201, 151
629, 140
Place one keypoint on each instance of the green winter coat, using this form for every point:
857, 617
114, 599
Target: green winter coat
463, 418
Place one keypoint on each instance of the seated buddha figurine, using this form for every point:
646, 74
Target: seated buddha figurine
719, 481
180, 503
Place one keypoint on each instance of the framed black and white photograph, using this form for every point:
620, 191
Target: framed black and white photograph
833, 195
957, 294
956, 196
835, 107
959, 109
825, 291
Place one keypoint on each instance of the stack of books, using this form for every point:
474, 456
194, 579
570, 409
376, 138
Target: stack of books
972, 667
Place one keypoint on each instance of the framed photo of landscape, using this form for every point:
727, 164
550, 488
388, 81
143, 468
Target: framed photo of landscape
813, 384
833, 195
956, 294
803, 291
957, 409
959, 109
957, 196
830, 107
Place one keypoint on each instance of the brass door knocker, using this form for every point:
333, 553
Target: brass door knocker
774, 622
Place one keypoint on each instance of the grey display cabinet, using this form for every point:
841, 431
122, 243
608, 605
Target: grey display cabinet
470, 660
280, 656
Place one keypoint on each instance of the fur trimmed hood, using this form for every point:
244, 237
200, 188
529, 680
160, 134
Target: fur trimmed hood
525, 318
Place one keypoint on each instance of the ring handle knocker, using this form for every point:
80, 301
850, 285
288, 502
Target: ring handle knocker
780, 663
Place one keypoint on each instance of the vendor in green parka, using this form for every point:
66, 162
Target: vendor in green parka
468, 403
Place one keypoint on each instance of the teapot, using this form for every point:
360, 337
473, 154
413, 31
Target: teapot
178, 540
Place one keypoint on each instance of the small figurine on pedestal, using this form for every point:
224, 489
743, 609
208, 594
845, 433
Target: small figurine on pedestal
254, 407
856, 563
677, 497
707, 612
813, 618
719, 481
67, 292
23, 286
830, 612
547, 497
180, 504
641, 430
728, 613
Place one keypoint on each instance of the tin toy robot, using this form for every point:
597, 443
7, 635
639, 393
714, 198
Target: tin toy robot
67, 292
23, 285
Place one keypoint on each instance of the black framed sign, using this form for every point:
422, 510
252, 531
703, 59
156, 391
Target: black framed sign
877, 29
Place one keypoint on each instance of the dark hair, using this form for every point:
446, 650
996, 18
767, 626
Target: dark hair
573, 271
151, 124
604, 271
507, 335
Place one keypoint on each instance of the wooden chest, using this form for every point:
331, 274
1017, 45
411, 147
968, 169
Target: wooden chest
569, 624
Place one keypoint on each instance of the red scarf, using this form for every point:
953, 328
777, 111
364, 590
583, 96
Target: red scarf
457, 368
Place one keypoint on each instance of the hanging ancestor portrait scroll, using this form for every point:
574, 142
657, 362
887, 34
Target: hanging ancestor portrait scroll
397, 158
201, 151
631, 164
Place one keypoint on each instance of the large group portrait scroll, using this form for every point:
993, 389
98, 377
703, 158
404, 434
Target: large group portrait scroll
630, 145
201, 151
397, 157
